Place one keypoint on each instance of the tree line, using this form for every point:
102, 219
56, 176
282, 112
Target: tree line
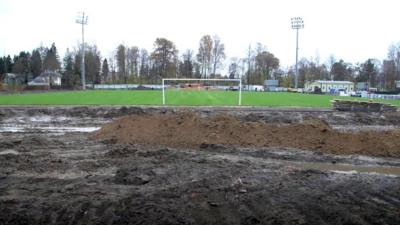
131, 64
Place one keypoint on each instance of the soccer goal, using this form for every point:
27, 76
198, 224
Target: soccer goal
202, 85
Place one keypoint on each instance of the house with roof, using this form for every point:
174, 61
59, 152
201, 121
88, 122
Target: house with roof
14, 79
47, 78
329, 86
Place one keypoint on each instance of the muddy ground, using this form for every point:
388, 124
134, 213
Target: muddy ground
52, 171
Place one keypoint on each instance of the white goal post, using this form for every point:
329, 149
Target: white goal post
204, 79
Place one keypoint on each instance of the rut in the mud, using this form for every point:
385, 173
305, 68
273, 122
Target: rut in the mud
189, 130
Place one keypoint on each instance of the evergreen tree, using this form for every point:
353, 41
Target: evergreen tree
121, 63
92, 64
9, 64
69, 77
2, 65
104, 71
51, 61
21, 65
36, 63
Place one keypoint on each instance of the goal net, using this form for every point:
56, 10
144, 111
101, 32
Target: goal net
198, 91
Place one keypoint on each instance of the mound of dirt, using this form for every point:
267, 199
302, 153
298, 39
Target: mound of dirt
189, 130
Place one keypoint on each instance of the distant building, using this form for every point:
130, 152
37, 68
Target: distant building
397, 84
271, 85
253, 87
47, 78
362, 86
14, 79
327, 86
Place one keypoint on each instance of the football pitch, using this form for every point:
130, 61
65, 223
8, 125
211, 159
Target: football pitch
174, 98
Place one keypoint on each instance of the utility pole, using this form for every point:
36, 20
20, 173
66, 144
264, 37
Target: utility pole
297, 23
82, 19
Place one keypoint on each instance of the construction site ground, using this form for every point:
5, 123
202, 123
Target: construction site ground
198, 165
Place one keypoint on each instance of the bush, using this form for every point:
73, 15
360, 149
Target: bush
37, 88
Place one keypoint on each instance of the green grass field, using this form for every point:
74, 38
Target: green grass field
209, 98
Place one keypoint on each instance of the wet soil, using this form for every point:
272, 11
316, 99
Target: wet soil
50, 176
186, 129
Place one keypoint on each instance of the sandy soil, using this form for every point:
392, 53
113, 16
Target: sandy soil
61, 176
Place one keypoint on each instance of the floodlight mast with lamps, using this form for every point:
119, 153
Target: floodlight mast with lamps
297, 23
82, 19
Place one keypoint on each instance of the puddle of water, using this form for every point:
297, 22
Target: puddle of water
61, 129
37, 119
71, 129
334, 167
354, 128
345, 168
69, 174
11, 129
13, 152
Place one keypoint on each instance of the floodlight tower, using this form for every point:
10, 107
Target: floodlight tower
297, 23
82, 19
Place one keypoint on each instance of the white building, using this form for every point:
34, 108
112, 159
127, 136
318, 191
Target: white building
252, 87
328, 86
47, 78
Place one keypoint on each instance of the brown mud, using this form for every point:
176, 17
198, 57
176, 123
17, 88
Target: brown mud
186, 129
51, 174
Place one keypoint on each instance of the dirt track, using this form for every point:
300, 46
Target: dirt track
53, 174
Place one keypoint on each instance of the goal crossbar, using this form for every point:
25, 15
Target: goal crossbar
204, 79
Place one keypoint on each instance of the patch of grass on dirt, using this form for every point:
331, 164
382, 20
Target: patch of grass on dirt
148, 97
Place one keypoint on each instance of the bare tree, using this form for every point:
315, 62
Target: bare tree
394, 55
331, 62
144, 72
112, 65
186, 67
233, 69
218, 54
164, 56
250, 62
389, 74
204, 55
132, 62
121, 62
248, 65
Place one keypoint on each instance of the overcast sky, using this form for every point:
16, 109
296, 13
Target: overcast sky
352, 30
